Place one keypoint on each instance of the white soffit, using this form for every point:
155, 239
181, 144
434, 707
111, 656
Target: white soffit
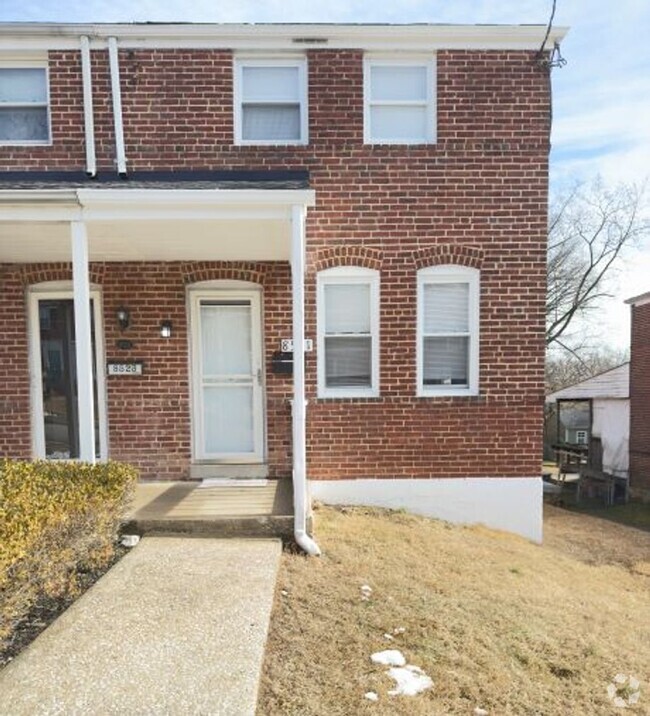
54, 36
154, 240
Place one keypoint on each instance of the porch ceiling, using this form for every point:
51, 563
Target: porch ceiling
145, 225
152, 240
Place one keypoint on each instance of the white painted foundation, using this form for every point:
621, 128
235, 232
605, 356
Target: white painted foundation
513, 504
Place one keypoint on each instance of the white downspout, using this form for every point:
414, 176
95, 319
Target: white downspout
117, 105
89, 123
300, 502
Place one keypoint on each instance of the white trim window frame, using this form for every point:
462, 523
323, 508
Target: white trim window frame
265, 100
43, 104
394, 103
454, 323
348, 276
62, 290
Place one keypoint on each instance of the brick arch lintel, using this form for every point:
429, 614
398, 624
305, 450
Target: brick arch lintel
343, 255
58, 271
459, 254
231, 270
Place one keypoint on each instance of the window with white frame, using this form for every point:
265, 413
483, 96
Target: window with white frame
271, 101
24, 111
581, 437
448, 330
348, 332
399, 101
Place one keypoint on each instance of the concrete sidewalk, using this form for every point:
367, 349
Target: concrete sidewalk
177, 627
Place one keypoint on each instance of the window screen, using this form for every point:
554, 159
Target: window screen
398, 103
23, 105
271, 105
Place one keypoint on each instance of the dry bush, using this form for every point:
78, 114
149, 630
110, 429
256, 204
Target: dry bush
58, 520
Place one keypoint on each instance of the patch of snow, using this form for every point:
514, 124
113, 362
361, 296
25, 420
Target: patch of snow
284, 593
389, 657
620, 678
399, 630
410, 681
390, 637
478, 711
366, 592
129, 540
371, 696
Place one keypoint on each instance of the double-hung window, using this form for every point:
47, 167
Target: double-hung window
271, 101
24, 112
399, 101
448, 330
348, 332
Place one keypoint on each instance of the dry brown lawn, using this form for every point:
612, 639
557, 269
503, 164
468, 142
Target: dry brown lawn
497, 622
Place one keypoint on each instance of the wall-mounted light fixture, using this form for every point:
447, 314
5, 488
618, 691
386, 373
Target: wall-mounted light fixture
166, 329
123, 317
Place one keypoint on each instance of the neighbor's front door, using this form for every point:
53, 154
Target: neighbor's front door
227, 367
55, 420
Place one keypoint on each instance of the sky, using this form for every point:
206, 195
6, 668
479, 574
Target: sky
601, 98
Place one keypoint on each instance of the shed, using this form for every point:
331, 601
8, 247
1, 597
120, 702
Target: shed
604, 400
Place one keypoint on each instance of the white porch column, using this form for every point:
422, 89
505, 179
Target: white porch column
83, 342
300, 501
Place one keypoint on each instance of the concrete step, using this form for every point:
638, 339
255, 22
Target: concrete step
251, 526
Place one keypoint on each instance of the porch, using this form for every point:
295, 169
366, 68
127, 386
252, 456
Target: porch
217, 511
188, 389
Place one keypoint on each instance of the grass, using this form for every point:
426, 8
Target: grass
633, 514
497, 622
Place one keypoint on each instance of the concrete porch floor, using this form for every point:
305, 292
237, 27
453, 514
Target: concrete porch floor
189, 508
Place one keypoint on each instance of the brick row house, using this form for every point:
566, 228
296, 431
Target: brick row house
276, 251
640, 397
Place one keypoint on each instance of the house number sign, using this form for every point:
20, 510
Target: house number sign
125, 368
286, 345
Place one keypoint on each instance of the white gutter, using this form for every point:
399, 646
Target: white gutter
89, 124
376, 37
117, 105
300, 500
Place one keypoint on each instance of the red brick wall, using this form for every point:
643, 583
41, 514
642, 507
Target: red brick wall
478, 195
640, 400
148, 416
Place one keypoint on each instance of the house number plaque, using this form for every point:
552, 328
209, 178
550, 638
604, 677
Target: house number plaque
125, 368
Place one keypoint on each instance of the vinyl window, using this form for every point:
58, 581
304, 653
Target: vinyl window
24, 105
448, 331
399, 101
271, 101
348, 333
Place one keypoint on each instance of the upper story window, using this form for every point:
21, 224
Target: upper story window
448, 331
348, 332
399, 101
271, 101
24, 111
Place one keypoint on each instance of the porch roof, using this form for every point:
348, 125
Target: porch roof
241, 217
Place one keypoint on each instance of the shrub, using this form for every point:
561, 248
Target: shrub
58, 520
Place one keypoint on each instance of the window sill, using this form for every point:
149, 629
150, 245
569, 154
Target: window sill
451, 393
399, 142
349, 395
26, 143
269, 143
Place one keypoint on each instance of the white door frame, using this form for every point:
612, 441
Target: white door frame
227, 290
62, 290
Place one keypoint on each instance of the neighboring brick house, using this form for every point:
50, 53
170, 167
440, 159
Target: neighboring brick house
217, 190
640, 397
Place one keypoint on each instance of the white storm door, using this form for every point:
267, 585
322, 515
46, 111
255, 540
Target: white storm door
229, 405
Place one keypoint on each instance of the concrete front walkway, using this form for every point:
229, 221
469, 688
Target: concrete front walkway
177, 627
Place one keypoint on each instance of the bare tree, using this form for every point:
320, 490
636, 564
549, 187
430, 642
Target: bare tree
564, 369
589, 227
